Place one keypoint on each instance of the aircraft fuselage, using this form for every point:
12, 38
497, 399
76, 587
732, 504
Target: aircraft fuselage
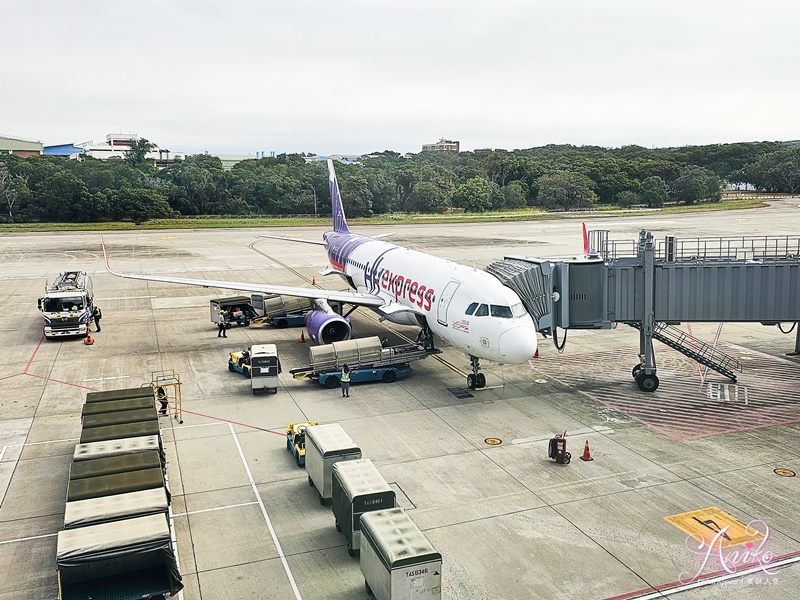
463, 306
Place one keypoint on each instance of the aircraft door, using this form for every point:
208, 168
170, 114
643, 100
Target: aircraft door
444, 301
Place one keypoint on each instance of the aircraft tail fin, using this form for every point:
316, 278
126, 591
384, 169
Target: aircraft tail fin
339, 220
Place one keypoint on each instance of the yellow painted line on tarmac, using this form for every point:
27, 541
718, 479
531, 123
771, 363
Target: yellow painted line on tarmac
714, 526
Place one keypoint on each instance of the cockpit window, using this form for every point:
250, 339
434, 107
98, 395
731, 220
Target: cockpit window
482, 311
503, 312
471, 308
518, 310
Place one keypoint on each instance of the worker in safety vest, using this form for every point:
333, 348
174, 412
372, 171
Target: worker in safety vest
345, 379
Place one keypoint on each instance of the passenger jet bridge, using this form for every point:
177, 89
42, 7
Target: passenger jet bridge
655, 286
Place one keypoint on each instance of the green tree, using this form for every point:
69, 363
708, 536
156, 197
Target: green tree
513, 196
653, 191
777, 171
12, 187
356, 197
136, 156
565, 190
695, 184
139, 205
473, 196
427, 198
628, 198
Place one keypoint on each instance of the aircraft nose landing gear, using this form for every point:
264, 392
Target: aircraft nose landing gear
476, 379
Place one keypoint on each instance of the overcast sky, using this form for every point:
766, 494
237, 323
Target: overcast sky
356, 76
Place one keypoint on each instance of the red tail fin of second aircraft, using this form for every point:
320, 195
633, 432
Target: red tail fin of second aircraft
585, 240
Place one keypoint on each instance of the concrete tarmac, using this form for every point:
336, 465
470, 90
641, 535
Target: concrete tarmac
509, 522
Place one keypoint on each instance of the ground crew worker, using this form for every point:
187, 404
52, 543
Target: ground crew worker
223, 332
345, 379
97, 315
161, 396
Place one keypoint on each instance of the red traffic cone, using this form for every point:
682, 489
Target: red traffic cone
536, 354
302, 337
586, 455
313, 281
88, 340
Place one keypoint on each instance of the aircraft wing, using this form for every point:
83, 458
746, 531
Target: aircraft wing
264, 288
288, 239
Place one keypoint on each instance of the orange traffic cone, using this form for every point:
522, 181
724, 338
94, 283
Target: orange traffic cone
313, 281
536, 354
302, 337
586, 455
88, 341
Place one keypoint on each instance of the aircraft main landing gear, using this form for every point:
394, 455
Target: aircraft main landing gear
476, 379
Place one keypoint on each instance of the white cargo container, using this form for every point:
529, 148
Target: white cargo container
358, 487
397, 560
325, 446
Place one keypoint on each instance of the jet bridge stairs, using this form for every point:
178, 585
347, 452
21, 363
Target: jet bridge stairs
654, 286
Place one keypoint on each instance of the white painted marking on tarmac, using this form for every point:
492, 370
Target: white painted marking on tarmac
712, 580
266, 516
45, 442
106, 378
3, 453
194, 512
26, 539
203, 425
127, 298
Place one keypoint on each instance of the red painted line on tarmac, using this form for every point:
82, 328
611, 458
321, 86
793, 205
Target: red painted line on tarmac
41, 339
282, 434
674, 584
83, 387
10, 376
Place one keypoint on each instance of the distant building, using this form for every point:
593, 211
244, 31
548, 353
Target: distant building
68, 150
20, 146
117, 145
442, 145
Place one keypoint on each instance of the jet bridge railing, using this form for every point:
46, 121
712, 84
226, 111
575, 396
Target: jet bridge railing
672, 249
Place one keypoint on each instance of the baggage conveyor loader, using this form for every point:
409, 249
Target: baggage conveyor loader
367, 359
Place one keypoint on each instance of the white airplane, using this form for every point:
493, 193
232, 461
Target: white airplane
467, 308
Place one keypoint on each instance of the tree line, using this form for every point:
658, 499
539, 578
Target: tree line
553, 177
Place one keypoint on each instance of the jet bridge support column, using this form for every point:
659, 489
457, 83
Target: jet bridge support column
645, 371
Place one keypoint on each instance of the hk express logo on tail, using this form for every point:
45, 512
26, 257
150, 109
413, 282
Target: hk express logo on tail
378, 278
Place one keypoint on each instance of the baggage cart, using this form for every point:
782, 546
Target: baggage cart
325, 446
123, 394
96, 408
264, 368
357, 487
118, 483
121, 560
93, 511
114, 464
397, 560
116, 432
118, 447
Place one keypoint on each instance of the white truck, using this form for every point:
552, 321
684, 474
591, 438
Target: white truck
67, 305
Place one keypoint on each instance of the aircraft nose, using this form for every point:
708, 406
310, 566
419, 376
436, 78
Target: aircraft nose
518, 344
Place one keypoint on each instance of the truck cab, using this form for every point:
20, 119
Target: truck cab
67, 305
